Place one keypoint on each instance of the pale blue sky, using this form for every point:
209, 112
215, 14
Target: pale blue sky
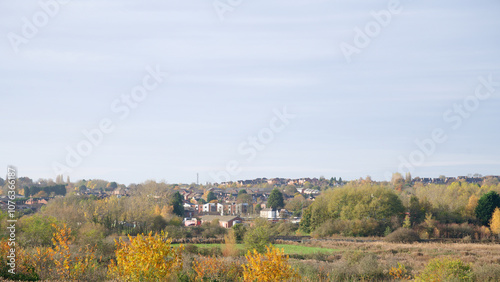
227, 77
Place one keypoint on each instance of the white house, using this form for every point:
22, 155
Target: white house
269, 213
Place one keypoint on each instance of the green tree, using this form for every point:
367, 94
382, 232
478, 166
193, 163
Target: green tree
37, 230
486, 206
257, 238
258, 208
211, 196
417, 211
305, 222
239, 231
275, 200
178, 204
353, 202
244, 198
242, 191
290, 190
158, 223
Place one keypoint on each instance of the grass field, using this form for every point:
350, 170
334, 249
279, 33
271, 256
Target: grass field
288, 249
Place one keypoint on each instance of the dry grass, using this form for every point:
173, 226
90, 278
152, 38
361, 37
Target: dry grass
417, 255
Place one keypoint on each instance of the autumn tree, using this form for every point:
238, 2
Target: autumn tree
273, 265
68, 264
495, 222
275, 200
397, 181
471, 206
146, 258
486, 206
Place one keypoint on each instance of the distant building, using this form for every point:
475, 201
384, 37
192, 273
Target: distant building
191, 222
269, 213
226, 221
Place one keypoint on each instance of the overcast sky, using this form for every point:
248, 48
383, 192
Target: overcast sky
357, 93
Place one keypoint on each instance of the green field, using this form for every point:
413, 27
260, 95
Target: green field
289, 249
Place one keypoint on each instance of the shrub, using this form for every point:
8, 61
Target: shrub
24, 264
456, 230
357, 266
446, 269
369, 268
403, 235
271, 266
176, 232
36, 230
216, 269
146, 258
229, 248
63, 262
191, 248
400, 272
257, 239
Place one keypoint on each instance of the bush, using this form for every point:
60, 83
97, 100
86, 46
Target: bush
216, 269
146, 258
213, 230
456, 230
191, 248
36, 230
446, 269
403, 235
271, 266
358, 266
257, 239
175, 232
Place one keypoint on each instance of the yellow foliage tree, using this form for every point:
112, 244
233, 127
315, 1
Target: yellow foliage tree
270, 266
68, 265
166, 210
146, 258
495, 222
157, 210
471, 205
